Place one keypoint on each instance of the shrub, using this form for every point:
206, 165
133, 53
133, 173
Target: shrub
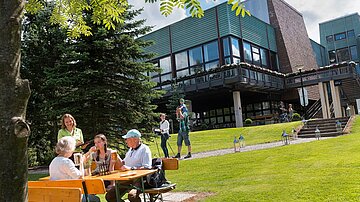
248, 121
296, 117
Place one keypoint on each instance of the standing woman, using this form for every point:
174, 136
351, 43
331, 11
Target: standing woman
68, 128
164, 127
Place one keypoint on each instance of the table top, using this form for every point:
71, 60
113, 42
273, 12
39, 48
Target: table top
117, 175
124, 175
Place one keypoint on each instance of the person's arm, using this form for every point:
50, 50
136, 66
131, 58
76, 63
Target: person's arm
79, 137
146, 160
167, 126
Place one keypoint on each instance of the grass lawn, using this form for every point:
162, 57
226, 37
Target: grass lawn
326, 170
223, 138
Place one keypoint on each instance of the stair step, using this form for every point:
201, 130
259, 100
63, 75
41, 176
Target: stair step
324, 125
321, 131
327, 127
332, 134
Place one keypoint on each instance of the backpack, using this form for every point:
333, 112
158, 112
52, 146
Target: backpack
156, 179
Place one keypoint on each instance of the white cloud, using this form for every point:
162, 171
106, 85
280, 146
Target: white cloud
153, 16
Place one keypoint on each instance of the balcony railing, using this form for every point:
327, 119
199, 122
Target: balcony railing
247, 76
313, 77
235, 75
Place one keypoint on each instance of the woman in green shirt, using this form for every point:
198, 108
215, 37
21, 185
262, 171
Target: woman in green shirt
68, 128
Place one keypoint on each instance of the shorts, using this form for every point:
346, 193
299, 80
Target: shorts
183, 136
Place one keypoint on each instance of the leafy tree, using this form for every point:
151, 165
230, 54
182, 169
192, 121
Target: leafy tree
16, 91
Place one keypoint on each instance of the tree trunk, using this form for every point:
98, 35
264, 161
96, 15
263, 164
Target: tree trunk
14, 94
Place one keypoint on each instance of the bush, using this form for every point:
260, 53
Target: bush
248, 121
296, 117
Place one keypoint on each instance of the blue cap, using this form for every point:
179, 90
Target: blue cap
133, 133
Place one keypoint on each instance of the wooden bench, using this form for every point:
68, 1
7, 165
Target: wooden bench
54, 194
155, 194
86, 187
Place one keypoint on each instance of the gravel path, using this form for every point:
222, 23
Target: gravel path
250, 148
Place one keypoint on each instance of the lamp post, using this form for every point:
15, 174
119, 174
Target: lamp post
348, 110
317, 133
302, 91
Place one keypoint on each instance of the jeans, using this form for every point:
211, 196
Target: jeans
164, 138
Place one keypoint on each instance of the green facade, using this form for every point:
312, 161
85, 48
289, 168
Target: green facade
191, 32
338, 26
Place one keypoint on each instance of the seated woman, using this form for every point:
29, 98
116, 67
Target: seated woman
61, 167
102, 156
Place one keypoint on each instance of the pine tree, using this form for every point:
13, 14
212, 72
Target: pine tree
100, 80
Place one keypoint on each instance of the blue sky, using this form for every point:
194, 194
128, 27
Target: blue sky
313, 11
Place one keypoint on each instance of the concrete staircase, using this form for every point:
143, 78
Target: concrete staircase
327, 127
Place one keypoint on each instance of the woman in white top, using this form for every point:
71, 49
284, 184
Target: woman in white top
61, 167
164, 127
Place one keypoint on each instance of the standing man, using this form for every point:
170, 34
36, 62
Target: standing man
184, 130
138, 157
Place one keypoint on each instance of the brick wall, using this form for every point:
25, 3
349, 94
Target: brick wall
294, 47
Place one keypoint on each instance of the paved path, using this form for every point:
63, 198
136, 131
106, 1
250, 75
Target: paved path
250, 148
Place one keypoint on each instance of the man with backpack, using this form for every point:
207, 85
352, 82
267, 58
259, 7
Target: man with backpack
138, 157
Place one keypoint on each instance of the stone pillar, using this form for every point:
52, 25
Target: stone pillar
336, 99
324, 100
237, 109
326, 90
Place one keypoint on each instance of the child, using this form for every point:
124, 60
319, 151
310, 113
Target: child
181, 107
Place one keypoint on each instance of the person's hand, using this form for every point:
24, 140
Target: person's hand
93, 149
125, 168
108, 188
78, 143
85, 145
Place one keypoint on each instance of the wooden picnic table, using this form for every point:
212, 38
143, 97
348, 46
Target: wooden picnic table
121, 178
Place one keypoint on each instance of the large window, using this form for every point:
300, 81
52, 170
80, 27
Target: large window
351, 33
195, 56
226, 47
343, 54
329, 38
274, 62
211, 51
256, 55
332, 57
181, 60
263, 54
235, 47
165, 65
354, 53
247, 51
340, 36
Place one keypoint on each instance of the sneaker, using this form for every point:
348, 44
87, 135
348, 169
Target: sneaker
188, 156
177, 156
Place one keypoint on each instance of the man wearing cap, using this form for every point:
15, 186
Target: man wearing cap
138, 157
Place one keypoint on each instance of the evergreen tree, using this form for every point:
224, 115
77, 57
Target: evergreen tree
100, 79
